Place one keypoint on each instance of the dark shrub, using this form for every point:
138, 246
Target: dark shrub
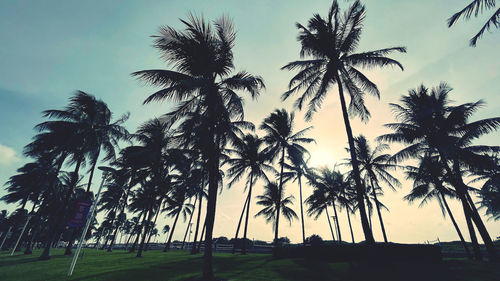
364, 253
315, 240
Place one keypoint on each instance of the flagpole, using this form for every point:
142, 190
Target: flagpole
89, 220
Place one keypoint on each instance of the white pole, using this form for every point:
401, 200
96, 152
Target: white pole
20, 235
5, 237
89, 220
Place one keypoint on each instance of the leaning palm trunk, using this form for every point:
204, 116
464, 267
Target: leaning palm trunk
151, 230
466, 248
244, 246
147, 226
239, 224
469, 206
194, 248
473, 238
302, 213
122, 211
56, 228
201, 237
138, 235
337, 222
350, 226
167, 246
188, 225
378, 212
355, 168
280, 189
329, 223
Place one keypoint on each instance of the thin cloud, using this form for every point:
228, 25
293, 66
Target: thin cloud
7, 155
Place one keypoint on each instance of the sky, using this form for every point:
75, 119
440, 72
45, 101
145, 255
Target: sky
52, 48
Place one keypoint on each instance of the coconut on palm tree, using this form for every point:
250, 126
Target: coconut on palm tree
329, 44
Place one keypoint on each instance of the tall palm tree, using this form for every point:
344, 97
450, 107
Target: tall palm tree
272, 201
80, 131
475, 8
202, 60
428, 184
331, 43
429, 125
177, 205
281, 140
374, 169
248, 157
295, 170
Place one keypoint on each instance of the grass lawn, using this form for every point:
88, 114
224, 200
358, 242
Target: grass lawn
179, 265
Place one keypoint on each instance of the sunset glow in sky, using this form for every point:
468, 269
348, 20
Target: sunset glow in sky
50, 49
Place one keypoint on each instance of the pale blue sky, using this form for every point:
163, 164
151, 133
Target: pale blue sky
49, 49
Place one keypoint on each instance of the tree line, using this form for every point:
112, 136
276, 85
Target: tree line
178, 162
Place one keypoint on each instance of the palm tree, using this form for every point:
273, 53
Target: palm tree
272, 201
490, 191
374, 169
80, 131
249, 157
202, 60
166, 230
295, 170
329, 183
318, 203
428, 184
281, 140
429, 125
475, 8
177, 205
331, 43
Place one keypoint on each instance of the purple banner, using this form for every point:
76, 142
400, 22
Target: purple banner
80, 214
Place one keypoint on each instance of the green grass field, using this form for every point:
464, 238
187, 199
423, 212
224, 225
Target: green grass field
178, 265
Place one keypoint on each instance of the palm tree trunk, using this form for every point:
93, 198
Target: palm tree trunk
200, 201
128, 240
147, 226
244, 246
91, 176
122, 211
355, 168
58, 222
378, 211
72, 238
473, 214
350, 226
302, 212
167, 247
239, 224
466, 248
369, 213
282, 163
202, 233
189, 223
329, 223
475, 245
152, 226
337, 221
213, 184
138, 235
